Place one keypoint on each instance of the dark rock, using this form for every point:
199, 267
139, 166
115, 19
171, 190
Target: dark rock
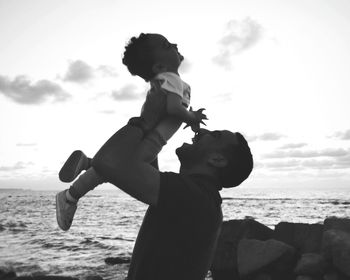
263, 276
7, 274
337, 223
232, 231
304, 277
331, 275
117, 260
336, 247
224, 274
311, 264
305, 238
255, 255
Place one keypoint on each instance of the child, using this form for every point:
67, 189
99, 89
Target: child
153, 58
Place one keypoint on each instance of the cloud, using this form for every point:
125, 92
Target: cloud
319, 164
268, 136
26, 144
293, 145
79, 72
303, 164
17, 166
126, 93
239, 36
107, 71
107, 112
286, 164
307, 153
342, 135
24, 91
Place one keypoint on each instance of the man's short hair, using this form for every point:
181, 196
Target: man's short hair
138, 57
240, 163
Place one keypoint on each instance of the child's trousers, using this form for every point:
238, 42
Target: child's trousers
122, 145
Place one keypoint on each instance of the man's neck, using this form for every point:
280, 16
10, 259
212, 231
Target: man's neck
204, 172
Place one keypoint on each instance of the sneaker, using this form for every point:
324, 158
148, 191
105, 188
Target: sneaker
74, 165
65, 211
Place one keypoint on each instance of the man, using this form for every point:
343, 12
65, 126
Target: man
180, 229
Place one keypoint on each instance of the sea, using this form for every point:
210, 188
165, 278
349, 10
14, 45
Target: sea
107, 222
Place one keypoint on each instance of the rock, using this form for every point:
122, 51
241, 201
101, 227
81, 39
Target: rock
232, 231
337, 223
305, 238
263, 276
332, 275
117, 260
311, 264
254, 255
336, 247
7, 274
304, 277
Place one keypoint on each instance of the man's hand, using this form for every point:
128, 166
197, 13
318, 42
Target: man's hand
198, 119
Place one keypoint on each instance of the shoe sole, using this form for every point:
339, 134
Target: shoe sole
58, 217
68, 171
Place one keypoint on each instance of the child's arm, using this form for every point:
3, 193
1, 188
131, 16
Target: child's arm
176, 108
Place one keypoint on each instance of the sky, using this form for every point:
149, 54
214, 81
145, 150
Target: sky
276, 71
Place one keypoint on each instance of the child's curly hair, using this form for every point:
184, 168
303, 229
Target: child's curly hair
138, 58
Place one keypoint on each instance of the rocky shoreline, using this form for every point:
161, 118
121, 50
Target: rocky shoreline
292, 251
249, 250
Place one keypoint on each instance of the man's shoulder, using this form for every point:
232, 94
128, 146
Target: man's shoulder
173, 177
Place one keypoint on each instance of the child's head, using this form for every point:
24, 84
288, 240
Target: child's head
151, 54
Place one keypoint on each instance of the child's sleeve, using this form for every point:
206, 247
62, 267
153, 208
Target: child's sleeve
172, 83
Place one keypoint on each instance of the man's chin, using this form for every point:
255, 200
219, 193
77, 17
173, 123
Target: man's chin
181, 150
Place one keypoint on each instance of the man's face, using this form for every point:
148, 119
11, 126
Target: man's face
204, 143
164, 52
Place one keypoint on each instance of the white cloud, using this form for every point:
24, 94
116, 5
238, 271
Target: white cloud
332, 152
268, 136
24, 91
26, 144
293, 145
79, 72
17, 166
342, 135
126, 93
239, 36
107, 71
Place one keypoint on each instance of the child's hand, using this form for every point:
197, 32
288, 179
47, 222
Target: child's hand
199, 117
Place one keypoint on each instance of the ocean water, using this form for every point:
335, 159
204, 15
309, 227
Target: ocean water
107, 222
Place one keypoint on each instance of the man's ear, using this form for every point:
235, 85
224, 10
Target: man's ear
158, 68
217, 160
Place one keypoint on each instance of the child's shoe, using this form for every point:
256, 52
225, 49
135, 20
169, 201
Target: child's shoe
65, 211
74, 165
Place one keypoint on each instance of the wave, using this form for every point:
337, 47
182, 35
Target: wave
115, 238
13, 226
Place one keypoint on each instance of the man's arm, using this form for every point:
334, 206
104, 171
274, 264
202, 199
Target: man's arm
116, 163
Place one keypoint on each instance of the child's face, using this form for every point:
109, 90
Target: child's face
166, 56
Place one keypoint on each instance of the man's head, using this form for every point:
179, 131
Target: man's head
151, 54
222, 154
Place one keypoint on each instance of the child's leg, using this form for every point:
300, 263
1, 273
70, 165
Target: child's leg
85, 183
120, 146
